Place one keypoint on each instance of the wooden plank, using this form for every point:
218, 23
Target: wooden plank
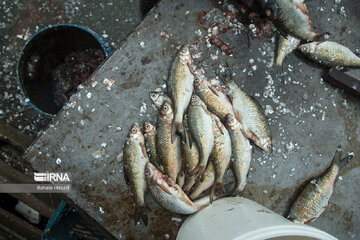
14, 136
19, 226
10, 175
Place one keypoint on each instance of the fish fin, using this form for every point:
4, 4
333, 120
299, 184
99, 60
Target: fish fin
337, 156
345, 160
213, 90
164, 188
198, 171
140, 213
302, 7
143, 149
126, 177
237, 116
213, 195
190, 68
310, 220
190, 139
120, 157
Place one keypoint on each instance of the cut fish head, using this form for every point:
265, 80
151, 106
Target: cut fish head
266, 145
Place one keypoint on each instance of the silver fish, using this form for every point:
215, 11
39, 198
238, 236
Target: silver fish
180, 88
169, 195
241, 153
330, 54
200, 124
251, 116
314, 199
216, 101
293, 20
150, 143
190, 155
135, 158
168, 152
284, 47
220, 155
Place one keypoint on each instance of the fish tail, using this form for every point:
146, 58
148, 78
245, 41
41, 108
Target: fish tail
140, 213
179, 128
198, 171
345, 160
189, 182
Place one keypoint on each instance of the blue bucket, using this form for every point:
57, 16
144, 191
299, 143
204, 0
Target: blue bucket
46, 57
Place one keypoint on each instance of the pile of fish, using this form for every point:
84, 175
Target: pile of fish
296, 32
202, 129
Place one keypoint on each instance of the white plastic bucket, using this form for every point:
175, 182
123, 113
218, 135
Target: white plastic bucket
238, 218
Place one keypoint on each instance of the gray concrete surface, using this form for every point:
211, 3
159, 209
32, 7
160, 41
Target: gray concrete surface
309, 120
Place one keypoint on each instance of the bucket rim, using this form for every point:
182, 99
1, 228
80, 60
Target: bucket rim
106, 47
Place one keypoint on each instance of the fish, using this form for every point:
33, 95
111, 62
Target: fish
200, 125
180, 88
285, 46
216, 101
293, 19
190, 155
168, 152
220, 155
135, 159
207, 182
158, 98
330, 54
251, 116
150, 143
170, 195
241, 153
314, 199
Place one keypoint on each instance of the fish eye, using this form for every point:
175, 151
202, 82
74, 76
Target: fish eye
147, 172
269, 147
193, 97
133, 130
165, 108
153, 95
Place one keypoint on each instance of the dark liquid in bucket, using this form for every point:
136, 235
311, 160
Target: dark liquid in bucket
55, 62
76, 68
